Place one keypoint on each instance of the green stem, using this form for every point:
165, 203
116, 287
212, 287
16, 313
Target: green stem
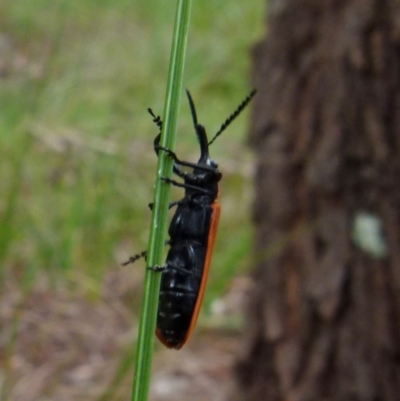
141, 380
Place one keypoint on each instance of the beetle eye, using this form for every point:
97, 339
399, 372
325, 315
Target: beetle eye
212, 163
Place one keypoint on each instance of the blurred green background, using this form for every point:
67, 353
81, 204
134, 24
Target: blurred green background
77, 165
77, 172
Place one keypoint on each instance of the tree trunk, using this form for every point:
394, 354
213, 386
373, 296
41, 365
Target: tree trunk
324, 318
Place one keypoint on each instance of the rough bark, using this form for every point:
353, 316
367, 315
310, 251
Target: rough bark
324, 319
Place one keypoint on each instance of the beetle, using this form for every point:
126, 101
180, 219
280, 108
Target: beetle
191, 233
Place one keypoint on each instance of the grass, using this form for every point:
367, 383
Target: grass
77, 163
159, 219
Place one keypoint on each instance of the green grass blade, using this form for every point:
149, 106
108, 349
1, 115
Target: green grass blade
141, 381
11, 199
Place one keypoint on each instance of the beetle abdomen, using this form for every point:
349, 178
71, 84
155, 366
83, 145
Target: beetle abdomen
179, 289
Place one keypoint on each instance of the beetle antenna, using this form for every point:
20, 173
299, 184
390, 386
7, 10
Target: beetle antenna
234, 115
200, 130
192, 108
156, 119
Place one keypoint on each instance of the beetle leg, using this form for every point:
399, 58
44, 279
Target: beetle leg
182, 185
176, 160
143, 254
156, 119
133, 259
157, 269
169, 152
177, 268
181, 270
176, 169
170, 206
168, 266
